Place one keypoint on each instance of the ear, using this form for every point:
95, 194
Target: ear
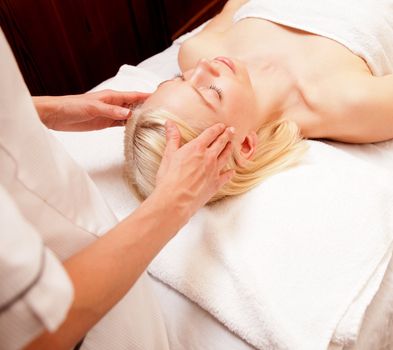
249, 145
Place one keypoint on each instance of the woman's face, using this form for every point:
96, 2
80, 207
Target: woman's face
214, 91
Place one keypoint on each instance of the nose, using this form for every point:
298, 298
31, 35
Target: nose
204, 68
207, 65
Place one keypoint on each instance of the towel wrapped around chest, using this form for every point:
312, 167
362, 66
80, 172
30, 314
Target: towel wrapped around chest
364, 26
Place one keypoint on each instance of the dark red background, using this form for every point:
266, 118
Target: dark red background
69, 46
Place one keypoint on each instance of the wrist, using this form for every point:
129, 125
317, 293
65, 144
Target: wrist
47, 107
169, 210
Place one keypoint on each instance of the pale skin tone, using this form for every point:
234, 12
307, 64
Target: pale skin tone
188, 177
280, 72
90, 111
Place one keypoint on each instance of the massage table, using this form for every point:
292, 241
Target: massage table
188, 325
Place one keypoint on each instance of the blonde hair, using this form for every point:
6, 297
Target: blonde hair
279, 146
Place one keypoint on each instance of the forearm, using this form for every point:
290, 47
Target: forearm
103, 272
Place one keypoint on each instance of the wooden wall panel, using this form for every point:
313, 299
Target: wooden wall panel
69, 46
182, 15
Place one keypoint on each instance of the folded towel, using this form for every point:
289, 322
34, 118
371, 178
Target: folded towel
283, 265
365, 27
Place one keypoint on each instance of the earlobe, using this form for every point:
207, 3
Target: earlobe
249, 146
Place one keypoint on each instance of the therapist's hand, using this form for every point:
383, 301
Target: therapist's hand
90, 111
192, 174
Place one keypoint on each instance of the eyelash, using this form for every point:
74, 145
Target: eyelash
212, 87
216, 89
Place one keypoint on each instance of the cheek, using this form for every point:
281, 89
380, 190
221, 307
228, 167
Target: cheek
239, 102
240, 107
238, 92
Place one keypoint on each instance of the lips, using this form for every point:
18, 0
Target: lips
227, 62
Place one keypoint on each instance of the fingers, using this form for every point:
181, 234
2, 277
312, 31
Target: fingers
114, 104
220, 143
123, 98
102, 109
208, 136
224, 156
225, 177
172, 138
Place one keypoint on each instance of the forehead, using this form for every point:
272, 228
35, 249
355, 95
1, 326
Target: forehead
182, 100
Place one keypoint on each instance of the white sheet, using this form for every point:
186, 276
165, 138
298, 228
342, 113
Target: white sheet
101, 154
281, 265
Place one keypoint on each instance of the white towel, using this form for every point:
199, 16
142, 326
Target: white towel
101, 153
363, 26
289, 263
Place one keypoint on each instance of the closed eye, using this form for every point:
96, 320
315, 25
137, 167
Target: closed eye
211, 87
216, 89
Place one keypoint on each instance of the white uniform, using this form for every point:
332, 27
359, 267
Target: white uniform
50, 209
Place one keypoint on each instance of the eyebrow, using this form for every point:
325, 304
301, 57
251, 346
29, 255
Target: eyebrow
206, 102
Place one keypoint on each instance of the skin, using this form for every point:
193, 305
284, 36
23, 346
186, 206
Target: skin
193, 95
312, 80
188, 177
90, 111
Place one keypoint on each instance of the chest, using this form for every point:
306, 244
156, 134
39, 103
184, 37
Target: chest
316, 65
258, 41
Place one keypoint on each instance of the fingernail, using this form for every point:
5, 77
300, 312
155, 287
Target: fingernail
124, 112
232, 130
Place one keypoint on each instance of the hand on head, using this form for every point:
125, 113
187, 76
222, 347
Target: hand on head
90, 111
193, 173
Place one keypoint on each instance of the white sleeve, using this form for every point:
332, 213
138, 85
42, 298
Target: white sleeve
36, 292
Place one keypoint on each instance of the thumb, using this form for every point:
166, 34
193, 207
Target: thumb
172, 138
114, 112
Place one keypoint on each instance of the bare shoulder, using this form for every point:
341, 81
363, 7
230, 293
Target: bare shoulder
353, 107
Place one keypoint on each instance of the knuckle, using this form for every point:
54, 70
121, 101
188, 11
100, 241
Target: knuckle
198, 147
174, 136
219, 128
209, 135
91, 108
227, 136
214, 130
223, 141
227, 154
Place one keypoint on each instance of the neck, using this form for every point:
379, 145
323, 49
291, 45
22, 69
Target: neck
275, 89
